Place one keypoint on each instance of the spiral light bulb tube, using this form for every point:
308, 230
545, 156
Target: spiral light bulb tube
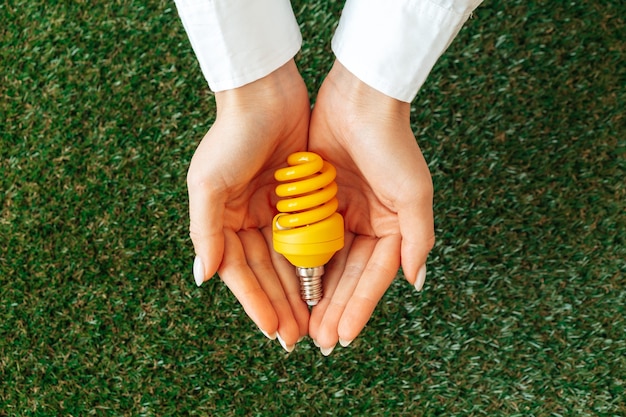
307, 230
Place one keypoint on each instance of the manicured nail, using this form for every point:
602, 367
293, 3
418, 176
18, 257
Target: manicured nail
345, 343
198, 271
327, 351
269, 336
315, 343
300, 339
421, 278
289, 348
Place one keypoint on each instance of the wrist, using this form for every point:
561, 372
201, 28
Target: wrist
364, 99
278, 89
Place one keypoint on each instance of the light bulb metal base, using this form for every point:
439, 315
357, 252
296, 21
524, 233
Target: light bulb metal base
310, 284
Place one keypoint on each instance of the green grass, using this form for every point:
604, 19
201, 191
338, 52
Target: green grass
522, 121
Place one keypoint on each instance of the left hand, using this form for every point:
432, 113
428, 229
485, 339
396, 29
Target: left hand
385, 195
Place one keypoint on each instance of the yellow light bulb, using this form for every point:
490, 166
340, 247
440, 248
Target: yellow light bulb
308, 230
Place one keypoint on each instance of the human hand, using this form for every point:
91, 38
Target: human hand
385, 195
232, 202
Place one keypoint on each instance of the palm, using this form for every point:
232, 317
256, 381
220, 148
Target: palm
250, 203
366, 212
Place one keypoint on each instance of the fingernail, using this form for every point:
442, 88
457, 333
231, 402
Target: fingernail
315, 343
421, 278
345, 343
300, 339
327, 351
289, 348
269, 336
198, 271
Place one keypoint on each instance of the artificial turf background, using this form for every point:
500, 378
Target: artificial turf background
101, 106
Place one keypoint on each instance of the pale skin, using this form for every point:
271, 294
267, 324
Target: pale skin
385, 195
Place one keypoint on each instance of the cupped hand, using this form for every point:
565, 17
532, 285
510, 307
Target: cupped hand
385, 194
231, 199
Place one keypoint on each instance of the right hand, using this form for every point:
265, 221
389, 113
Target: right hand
232, 202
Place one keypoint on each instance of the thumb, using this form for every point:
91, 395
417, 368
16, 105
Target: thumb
418, 238
206, 222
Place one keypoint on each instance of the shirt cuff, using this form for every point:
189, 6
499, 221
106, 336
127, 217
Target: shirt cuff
393, 45
237, 42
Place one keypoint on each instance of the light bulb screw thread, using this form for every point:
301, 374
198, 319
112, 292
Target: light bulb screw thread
310, 283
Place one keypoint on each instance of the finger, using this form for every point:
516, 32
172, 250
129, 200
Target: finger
380, 271
290, 284
206, 213
258, 258
333, 271
243, 283
361, 251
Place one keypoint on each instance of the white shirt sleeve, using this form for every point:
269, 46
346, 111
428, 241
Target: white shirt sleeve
393, 45
237, 42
